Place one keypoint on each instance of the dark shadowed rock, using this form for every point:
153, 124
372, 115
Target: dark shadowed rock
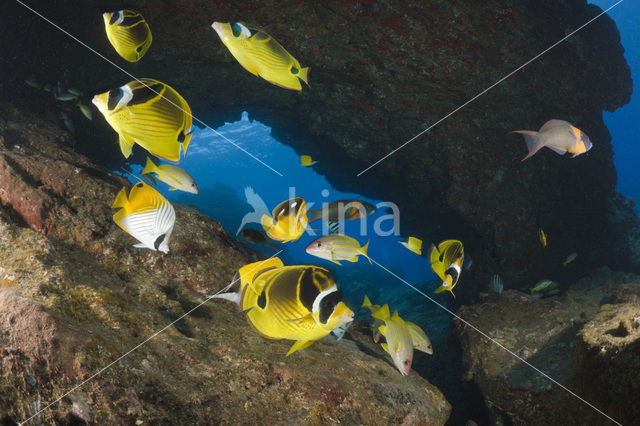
586, 339
75, 296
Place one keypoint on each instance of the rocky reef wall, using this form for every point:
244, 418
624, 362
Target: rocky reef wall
381, 72
588, 340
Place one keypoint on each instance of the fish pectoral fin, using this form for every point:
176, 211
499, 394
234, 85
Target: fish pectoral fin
558, 151
385, 347
126, 145
299, 345
171, 188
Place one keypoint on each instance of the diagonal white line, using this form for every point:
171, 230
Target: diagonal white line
136, 79
498, 343
103, 369
487, 89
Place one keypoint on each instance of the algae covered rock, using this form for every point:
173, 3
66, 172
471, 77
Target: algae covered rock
586, 339
110, 334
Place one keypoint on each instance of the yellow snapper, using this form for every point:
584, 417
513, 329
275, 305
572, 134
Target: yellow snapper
175, 177
288, 222
149, 113
413, 244
336, 247
399, 344
128, 33
376, 322
300, 302
557, 135
419, 338
261, 54
542, 237
146, 215
446, 261
307, 161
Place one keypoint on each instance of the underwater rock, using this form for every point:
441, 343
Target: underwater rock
380, 73
588, 339
75, 296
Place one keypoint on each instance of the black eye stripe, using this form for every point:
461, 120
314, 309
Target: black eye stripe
328, 305
112, 98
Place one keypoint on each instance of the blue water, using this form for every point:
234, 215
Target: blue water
222, 172
623, 123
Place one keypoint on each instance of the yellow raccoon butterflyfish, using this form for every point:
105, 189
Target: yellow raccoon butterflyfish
128, 33
288, 222
146, 215
300, 302
414, 244
446, 261
149, 113
261, 54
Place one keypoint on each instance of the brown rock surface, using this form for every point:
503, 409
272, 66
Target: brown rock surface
585, 339
75, 296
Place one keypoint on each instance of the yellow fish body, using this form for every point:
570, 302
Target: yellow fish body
300, 302
414, 244
261, 54
288, 222
128, 33
146, 215
398, 339
175, 177
446, 261
543, 237
149, 113
337, 247
307, 161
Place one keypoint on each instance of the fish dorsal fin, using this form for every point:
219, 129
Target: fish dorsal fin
382, 313
553, 123
395, 316
299, 345
366, 303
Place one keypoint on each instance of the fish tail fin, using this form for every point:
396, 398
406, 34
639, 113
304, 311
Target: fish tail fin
231, 297
314, 214
366, 303
364, 249
304, 75
382, 313
121, 199
150, 167
231, 292
532, 141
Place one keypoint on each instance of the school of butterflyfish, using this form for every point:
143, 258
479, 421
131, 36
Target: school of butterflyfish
301, 303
